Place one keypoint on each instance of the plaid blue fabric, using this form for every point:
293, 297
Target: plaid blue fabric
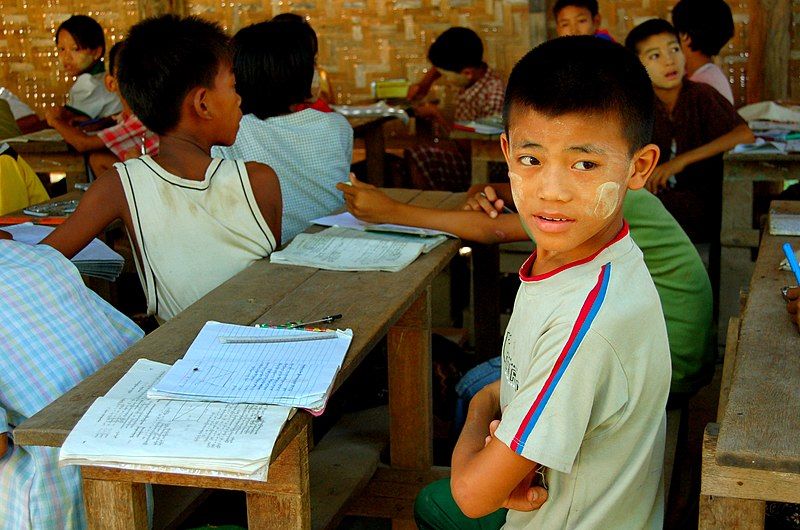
310, 152
54, 332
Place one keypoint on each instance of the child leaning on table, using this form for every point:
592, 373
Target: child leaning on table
585, 361
194, 221
54, 332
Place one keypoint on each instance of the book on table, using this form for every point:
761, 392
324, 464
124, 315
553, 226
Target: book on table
124, 429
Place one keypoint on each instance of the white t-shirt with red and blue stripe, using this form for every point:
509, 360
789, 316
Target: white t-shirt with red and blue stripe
585, 378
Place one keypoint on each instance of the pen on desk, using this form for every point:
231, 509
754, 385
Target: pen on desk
790, 257
506, 209
280, 338
323, 320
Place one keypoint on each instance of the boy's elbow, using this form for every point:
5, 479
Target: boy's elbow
469, 500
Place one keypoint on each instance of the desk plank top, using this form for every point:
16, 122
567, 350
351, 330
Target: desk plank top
762, 421
264, 292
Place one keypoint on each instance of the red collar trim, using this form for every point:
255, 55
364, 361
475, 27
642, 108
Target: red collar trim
528, 265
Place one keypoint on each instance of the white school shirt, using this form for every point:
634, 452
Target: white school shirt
310, 151
90, 96
711, 74
192, 235
18, 108
585, 378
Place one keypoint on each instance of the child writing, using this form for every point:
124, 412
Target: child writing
54, 332
582, 395
579, 17
129, 138
704, 26
194, 221
457, 57
81, 47
309, 150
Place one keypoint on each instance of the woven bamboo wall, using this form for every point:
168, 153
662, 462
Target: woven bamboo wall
360, 40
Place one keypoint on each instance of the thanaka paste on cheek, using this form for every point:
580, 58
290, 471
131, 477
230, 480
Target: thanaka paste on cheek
606, 200
516, 188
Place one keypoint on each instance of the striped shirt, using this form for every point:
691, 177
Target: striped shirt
585, 378
54, 332
310, 151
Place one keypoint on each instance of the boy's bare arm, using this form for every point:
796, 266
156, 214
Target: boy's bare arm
486, 475
267, 192
75, 137
370, 204
739, 135
100, 205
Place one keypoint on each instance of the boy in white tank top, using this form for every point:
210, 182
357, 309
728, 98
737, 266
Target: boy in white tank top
194, 221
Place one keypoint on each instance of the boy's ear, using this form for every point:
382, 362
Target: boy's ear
110, 83
644, 161
505, 148
597, 20
200, 103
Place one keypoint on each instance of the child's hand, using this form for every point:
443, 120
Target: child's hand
661, 174
526, 497
5, 235
486, 201
428, 111
52, 116
365, 201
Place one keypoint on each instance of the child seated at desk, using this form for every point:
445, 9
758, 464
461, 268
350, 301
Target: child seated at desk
129, 138
579, 17
81, 47
457, 57
194, 221
581, 398
54, 332
19, 185
309, 150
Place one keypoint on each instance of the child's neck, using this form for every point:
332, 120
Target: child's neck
695, 60
479, 73
184, 155
550, 260
668, 96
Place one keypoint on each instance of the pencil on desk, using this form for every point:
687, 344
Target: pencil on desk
281, 338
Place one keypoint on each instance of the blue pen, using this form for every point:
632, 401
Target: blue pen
790, 257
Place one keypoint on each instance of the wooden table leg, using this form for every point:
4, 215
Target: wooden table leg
410, 401
486, 300
375, 147
288, 505
112, 505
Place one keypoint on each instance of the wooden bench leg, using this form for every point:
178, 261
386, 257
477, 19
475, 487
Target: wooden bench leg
410, 401
288, 504
112, 505
718, 512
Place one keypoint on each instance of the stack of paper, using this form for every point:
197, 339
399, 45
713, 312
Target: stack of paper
126, 430
97, 259
390, 232
45, 135
298, 371
332, 252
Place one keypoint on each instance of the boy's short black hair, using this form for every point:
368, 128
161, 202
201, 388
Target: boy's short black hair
647, 29
591, 5
455, 49
274, 66
585, 75
113, 56
299, 19
709, 23
163, 59
86, 32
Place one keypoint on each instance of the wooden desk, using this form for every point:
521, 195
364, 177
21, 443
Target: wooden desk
371, 130
484, 149
53, 157
374, 305
755, 456
741, 171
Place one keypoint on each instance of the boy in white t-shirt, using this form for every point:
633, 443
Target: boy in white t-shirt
585, 361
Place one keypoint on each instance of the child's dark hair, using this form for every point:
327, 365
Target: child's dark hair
113, 56
455, 49
647, 29
274, 66
591, 5
163, 59
585, 75
85, 31
299, 19
709, 23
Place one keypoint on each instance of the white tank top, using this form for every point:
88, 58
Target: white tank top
192, 235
